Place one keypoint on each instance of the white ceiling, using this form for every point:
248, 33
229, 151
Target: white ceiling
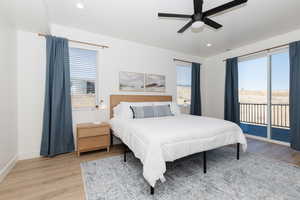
30, 15
137, 20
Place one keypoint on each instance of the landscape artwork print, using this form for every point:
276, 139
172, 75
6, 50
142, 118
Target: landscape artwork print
131, 81
155, 83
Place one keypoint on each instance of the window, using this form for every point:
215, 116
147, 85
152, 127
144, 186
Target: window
83, 70
184, 74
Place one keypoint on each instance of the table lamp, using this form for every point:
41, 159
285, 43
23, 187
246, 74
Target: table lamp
99, 107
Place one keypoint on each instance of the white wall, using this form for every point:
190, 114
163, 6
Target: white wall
8, 97
214, 69
121, 56
31, 87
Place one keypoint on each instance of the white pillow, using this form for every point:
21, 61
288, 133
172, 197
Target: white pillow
174, 106
117, 111
159, 103
126, 112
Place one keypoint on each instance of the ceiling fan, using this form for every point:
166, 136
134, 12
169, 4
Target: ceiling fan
199, 18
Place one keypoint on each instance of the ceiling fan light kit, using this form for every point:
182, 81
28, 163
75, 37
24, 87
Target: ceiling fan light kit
197, 24
199, 18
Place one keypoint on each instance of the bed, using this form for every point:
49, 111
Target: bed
156, 141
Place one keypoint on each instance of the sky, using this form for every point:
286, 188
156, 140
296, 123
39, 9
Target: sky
253, 73
184, 74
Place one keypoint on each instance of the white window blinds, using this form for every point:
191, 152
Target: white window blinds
83, 70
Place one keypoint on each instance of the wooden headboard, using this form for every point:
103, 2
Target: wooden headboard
116, 99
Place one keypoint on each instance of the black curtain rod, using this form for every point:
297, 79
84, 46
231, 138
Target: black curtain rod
256, 52
176, 59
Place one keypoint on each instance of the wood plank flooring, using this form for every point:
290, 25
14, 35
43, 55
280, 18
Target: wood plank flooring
60, 177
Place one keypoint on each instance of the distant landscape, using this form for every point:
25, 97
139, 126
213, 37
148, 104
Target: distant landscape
83, 101
183, 94
260, 96
184, 98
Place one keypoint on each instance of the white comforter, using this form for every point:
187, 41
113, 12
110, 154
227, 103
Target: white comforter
157, 140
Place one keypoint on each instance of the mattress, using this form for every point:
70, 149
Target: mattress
156, 141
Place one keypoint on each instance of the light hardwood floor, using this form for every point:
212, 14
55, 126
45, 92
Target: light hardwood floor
60, 177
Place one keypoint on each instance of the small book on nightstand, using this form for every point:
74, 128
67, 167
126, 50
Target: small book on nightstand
92, 137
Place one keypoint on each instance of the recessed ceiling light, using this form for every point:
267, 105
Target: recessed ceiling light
80, 5
208, 45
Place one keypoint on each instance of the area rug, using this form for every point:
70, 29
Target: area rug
253, 177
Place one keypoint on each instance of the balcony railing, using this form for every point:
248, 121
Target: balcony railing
255, 113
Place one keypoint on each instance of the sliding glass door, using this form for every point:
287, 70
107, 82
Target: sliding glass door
280, 69
264, 95
253, 95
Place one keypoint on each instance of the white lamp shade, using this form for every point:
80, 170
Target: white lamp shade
102, 106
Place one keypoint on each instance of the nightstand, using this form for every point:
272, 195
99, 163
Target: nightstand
92, 137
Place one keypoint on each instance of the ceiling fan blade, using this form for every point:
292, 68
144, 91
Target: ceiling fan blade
224, 7
173, 15
198, 6
186, 26
211, 23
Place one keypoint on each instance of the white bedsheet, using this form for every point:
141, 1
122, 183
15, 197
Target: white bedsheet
157, 140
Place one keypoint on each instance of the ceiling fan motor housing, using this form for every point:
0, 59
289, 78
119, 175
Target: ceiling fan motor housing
199, 15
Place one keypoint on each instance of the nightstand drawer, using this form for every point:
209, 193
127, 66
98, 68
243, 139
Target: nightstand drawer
94, 142
88, 132
92, 137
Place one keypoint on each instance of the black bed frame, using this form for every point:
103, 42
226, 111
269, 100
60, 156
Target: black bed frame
204, 161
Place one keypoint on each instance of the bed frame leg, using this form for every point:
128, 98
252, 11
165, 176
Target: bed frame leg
204, 162
238, 151
151, 190
125, 155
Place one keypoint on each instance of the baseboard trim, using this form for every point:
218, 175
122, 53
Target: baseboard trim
267, 140
28, 155
8, 167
